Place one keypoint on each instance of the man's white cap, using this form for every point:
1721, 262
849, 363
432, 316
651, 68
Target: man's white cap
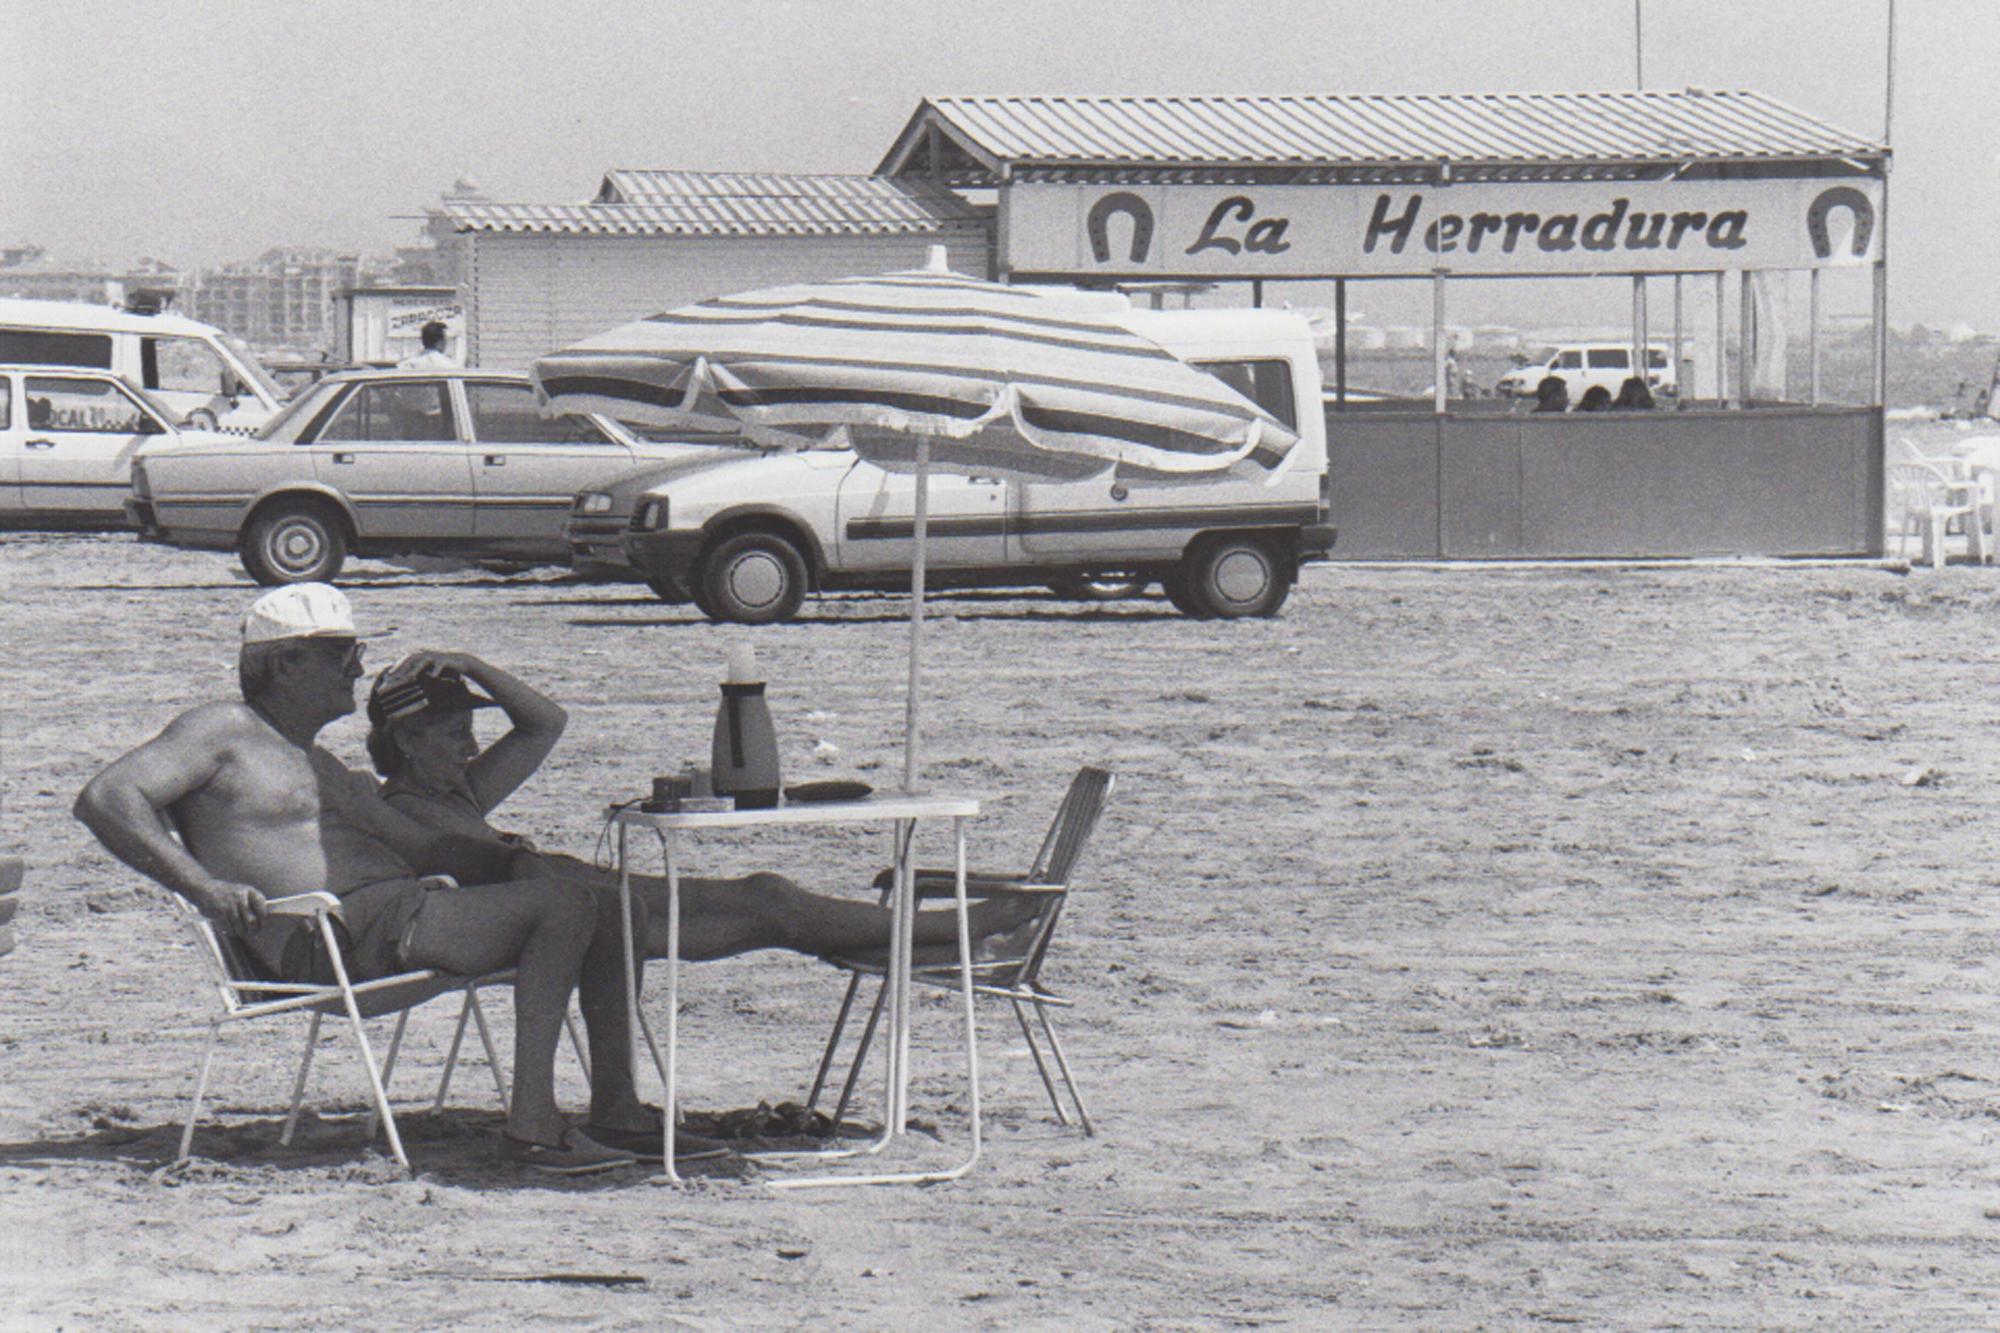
301, 611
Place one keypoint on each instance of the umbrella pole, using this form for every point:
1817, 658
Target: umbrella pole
918, 531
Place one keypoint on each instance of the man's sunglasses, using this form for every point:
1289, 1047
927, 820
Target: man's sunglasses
350, 652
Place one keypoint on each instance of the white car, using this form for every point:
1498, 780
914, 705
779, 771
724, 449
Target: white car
387, 462
746, 538
67, 440
1581, 366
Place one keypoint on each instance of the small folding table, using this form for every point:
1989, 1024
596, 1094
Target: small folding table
903, 813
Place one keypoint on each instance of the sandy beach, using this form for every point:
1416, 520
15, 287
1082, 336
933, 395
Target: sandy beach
1489, 947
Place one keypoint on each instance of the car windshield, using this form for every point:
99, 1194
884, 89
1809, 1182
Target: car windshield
257, 370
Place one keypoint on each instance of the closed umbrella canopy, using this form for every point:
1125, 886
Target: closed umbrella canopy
923, 369
1038, 383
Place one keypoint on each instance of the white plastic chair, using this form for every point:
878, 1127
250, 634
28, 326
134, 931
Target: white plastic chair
1928, 499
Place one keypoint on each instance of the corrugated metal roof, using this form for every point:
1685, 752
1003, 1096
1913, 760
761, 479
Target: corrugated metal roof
1691, 125
695, 203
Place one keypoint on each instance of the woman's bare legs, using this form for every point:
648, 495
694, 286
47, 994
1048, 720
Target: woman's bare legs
719, 919
724, 917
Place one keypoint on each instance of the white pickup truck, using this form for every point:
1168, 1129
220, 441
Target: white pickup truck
746, 538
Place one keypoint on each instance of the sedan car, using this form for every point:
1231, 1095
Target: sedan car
388, 462
67, 439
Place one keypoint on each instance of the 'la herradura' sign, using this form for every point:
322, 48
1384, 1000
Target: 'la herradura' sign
1481, 228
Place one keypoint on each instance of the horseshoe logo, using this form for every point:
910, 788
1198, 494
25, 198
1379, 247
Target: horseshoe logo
1141, 213
1855, 202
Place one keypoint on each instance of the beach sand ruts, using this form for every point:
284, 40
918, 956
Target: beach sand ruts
1469, 947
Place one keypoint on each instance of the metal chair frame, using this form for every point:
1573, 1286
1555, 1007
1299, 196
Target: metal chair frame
244, 995
1015, 979
10, 900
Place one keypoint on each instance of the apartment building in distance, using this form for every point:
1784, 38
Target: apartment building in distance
283, 298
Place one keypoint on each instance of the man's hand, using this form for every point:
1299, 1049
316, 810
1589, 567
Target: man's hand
237, 906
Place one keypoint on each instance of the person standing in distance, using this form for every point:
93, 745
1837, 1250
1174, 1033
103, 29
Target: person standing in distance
433, 356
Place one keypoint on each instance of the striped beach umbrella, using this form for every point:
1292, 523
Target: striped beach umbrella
922, 370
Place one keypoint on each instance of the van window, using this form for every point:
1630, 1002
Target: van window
78, 406
1656, 358
1609, 358
6, 405
507, 414
1265, 383
184, 365
1570, 360
36, 347
416, 412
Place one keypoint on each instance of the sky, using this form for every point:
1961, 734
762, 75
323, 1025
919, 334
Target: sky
208, 131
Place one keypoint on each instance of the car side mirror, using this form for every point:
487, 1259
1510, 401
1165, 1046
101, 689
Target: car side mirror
151, 426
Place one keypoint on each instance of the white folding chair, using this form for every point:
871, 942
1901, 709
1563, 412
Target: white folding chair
245, 992
10, 899
1015, 975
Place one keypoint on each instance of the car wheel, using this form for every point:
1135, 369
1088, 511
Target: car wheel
1176, 587
753, 578
668, 590
295, 542
1098, 587
1232, 577
698, 594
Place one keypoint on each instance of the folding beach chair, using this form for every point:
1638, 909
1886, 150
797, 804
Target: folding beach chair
1013, 973
10, 899
247, 992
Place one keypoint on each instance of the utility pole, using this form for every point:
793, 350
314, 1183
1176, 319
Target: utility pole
1639, 45
1881, 302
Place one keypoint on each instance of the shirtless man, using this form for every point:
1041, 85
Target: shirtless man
421, 740
262, 811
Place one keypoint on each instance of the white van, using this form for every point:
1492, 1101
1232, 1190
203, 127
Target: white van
1581, 366
746, 536
208, 379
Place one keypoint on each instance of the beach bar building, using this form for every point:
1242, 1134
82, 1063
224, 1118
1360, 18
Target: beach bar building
543, 276
1662, 190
